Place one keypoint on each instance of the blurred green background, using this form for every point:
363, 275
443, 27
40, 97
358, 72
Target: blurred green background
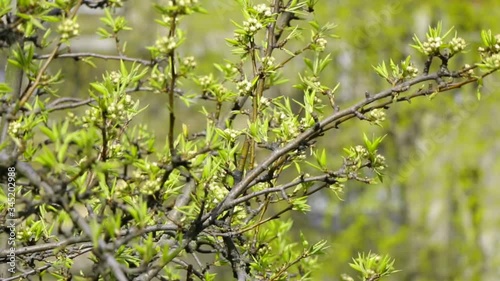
437, 212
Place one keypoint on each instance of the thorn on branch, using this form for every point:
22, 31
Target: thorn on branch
360, 115
284, 22
269, 146
400, 89
284, 195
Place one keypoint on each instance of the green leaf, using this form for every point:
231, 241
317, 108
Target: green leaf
322, 159
5, 9
4, 88
381, 70
89, 62
123, 68
319, 247
37, 23
372, 145
308, 63
100, 88
49, 133
46, 158
324, 62
300, 204
479, 87
315, 25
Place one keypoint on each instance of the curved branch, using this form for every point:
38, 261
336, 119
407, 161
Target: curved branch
79, 56
310, 133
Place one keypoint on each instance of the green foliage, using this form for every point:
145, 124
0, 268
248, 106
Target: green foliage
398, 75
434, 43
372, 267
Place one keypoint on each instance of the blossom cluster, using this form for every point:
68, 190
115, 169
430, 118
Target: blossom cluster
68, 29
167, 20
432, 45
320, 44
15, 128
457, 44
260, 16
216, 188
377, 115
166, 44
244, 86
379, 162
189, 62
494, 60
286, 127
115, 77
359, 153
493, 49
232, 134
118, 111
159, 77
469, 72
268, 62
206, 81
263, 10
252, 25
411, 71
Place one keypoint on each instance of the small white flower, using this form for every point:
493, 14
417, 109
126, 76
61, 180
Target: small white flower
360, 150
321, 44
14, 128
233, 134
244, 87
68, 28
115, 76
379, 162
432, 45
457, 44
263, 9
412, 71
189, 62
205, 80
251, 26
268, 61
165, 44
469, 72
377, 115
